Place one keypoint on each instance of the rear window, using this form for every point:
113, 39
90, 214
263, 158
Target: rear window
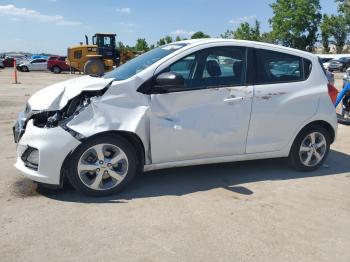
275, 67
62, 59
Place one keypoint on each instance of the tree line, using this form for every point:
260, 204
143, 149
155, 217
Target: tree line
295, 23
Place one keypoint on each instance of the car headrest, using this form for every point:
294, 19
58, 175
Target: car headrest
238, 68
213, 68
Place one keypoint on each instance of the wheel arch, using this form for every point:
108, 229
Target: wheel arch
323, 124
320, 123
131, 137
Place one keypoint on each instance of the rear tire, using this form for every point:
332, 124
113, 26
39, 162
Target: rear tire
24, 69
310, 149
94, 67
56, 70
103, 165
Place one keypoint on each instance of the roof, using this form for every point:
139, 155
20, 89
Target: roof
248, 43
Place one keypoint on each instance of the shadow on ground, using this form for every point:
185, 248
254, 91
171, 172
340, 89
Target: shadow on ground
187, 180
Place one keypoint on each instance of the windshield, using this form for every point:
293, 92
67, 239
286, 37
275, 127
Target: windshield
143, 61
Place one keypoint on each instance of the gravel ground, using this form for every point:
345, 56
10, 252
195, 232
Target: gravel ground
248, 211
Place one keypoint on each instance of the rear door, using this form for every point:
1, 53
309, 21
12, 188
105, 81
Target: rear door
210, 117
284, 98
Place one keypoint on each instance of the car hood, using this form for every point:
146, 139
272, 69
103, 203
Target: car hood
56, 96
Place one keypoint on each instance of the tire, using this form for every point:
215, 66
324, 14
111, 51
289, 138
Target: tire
299, 158
342, 120
105, 178
94, 67
56, 70
24, 69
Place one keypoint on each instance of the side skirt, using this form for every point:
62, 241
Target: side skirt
224, 159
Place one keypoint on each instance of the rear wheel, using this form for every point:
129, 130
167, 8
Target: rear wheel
56, 70
94, 67
103, 165
310, 149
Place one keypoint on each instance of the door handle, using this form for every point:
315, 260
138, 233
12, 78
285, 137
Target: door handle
233, 99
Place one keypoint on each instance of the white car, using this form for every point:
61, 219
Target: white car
33, 65
177, 105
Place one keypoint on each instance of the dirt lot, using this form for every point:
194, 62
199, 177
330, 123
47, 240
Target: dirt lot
252, 211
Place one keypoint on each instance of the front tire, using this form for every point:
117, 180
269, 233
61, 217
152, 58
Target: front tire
24, 69
310, 149
103, 165
94, 67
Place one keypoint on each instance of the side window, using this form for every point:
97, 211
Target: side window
223, 66
62, 59
212, 67
307, 68
77, 54
184, 66
35, 62
275, 67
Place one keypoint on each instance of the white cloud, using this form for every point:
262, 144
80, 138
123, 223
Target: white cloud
125, 10
181, 32
239, 20
24, 13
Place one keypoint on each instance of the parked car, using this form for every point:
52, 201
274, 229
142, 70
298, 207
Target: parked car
2, 64
325, 61
33, 65
340, 64
178, 105
54, 57
58, 65
8, 61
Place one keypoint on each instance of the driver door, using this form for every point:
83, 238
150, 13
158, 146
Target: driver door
210, 116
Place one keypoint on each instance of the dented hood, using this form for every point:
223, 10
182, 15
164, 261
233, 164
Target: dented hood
56, 96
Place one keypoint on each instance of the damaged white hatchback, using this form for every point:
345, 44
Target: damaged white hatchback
187, 103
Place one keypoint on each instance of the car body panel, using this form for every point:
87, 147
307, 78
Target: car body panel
57, 95
49, 171
186, 128
201, 123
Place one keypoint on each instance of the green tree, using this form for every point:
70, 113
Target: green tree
168, 39
344, 8
295, 22
141, 45
178, 38
228, 34
267, 37
199, 34
326, 32
247, 32
161, 42
339, 31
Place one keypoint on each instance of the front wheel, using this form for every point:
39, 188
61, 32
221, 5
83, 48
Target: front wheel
103, 165
24, 69
94, 67
310, 149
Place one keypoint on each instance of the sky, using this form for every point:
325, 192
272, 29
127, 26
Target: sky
53, 25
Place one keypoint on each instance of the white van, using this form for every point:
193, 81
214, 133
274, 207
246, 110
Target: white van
187, 103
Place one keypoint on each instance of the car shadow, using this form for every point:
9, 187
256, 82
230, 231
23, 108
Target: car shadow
187, 180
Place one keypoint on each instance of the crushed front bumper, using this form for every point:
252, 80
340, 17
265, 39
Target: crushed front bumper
53, 144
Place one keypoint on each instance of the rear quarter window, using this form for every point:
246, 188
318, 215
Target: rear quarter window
276, 67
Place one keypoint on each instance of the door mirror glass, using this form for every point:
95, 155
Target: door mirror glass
170, 82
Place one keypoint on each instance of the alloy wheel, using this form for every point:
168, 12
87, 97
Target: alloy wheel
102, 166
313, 149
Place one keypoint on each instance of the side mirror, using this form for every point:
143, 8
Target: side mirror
170, 82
